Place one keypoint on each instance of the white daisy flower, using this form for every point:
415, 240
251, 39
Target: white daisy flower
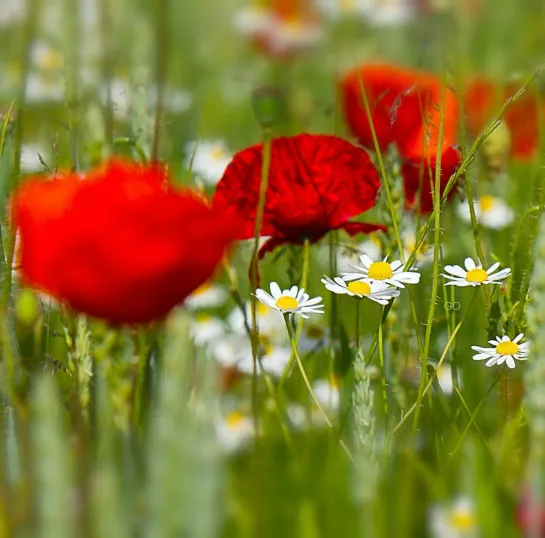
270, 322
208, 159
206, 329
389, 273
455, 521
207, 296
327, 393
235, 431
236, 352
376, 291
490, 211
292, 301
376, 12
505, 351
43, 56
444, 378
474, 274
44, 89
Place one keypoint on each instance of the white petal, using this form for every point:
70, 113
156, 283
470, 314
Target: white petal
492, 268
455, 270
481, 356
396, 265
265, 298
275, 290
492, 361
313, 301
510, 362
469, 264
366, 261
460, 283
518, 338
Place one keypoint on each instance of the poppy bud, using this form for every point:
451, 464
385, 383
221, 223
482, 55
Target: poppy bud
26, 307
268, 103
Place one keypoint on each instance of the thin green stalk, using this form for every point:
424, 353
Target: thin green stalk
357, 325
383, 370
436, 241
267, 143
303, 285
307, 382
161, 58
439, 364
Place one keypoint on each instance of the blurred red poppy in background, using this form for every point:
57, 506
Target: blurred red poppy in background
121, 244
405, 109
317, 183
483, 100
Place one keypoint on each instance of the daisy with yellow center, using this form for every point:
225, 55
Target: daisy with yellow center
457, 520
208, 159
474, 274
208, 295
293, 301
504, 350
490, 211
235, 431
376, 291
383, 271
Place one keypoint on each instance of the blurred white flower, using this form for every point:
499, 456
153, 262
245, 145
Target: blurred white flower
45, 57
44, 89
347, 257
206, 329
12, 12
278, 35
270, 322
235, 351
123, 93
424, 254
30, 161
235, 431
208, 159
327, 393
376, 12
490, 211
208, 295
457, 520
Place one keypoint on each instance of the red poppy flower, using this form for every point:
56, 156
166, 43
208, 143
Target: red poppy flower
122, 244
317, 183
483, 100
531, 514
404, 106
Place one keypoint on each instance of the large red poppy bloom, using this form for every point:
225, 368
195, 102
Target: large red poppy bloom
405, 109
317, 183
121, 244
483, 100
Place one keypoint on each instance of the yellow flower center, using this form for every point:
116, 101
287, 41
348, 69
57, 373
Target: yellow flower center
234, 419
347, 5
52, 60
201, 317
262, 309
362, 288
462, 520
486, 202
380, 271
217, 153
476, 275
287, 303
507, 348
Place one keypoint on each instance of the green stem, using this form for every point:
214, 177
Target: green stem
383, 370
436, 242
357, 325
303, 285
303, 372
255, 261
